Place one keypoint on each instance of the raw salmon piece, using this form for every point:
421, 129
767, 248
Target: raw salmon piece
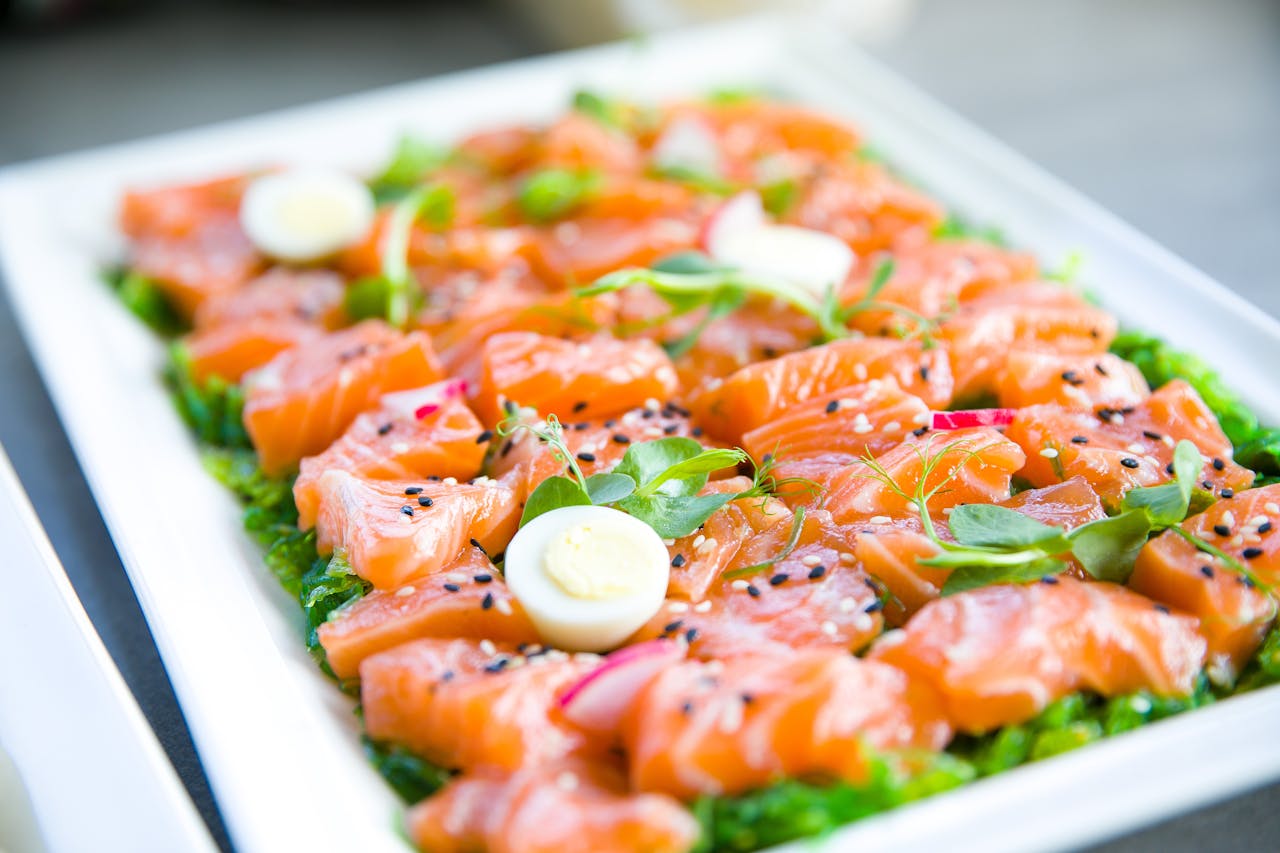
864, 205
389, 546
1234, 615
180, 210
306, 397
1029, 378
391, 444
458, 706
728, 727
1118, 449
575, 252
477, 605
1068, 504
1048, 317
966, 466
813, 596
566, 807
503, 150
524, 461
868, 418
759, 393
759, 330
595, 378
231, 350
214, 260
1000, 654
576, 141
933, 279
698, 560
305, 296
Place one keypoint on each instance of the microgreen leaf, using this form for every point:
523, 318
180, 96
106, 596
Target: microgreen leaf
648, 461
432, 203
553, 493
972, 577
549, 194
673, 516
797, 526
689, 262
412, 161
609, 488
608, 111
1108, 547
722, 304
1167, 504
990, 525
690, 475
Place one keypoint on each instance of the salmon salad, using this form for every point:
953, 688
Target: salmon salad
685, 477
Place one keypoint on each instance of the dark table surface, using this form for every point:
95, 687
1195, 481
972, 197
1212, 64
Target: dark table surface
1166, 111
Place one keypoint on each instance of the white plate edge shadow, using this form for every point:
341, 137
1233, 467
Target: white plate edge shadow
248, 746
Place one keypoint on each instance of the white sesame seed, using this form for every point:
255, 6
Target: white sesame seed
1237, 541
1049, 453
829, 628
861, 418
947, 510
846, 557
846, 403
405, 591
502, 606
1229, 518
739, 585
455, 577
848, 604
913, 509
697, 543
1257, 520
860, 372
1136, 447
450, 481
652, 404
487, 647
668, 542
567, 781
713, 667
880, 519
891, 426
707, 545
862, 622
702, 607
811, 560
1272, 507
920, 418
652, 432
862, 429
586, 657
678, 607
400, 447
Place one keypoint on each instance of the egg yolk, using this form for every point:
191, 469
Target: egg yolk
594, 560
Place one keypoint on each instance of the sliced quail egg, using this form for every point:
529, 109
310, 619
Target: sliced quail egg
303, 215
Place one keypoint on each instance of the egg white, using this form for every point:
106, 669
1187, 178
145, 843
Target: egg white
584, 624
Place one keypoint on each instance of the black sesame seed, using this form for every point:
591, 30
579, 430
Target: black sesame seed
874, 607
1160, 608
1154, 436
778, 579
1071, 378
1168, 469
621, 439
924, 373
671, 429
1206, 485
1250, 553
447, 675
1264, 527
486, 435
413, 490
587, 457
452, 587
496, 666
1218, 464
1102, 371
753, 590
509, 406
691, 635
435, 478
384, 429
817, 572
406, 509
580, 405
1207, 571
610, 424
696, 432
646, 414
872, 584
1130, 462
1079, 439
919, 431
677, 561
833, 406
1049, 579
686, 708
672, 627
425, 501
1227, 493
581, 425
747, 698
1222, 530
475, 543
484, 578
487, 601
506, 448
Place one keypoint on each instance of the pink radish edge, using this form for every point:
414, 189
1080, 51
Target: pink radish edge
598, 701
972, 418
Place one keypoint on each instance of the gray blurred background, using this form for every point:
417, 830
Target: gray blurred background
1165, 111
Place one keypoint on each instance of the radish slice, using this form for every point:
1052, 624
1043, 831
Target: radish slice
599, 700
739, 235
966, 418
741, 212
420, 402
688, 143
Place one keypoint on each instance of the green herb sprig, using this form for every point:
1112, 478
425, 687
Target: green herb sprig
656, 481
995, 544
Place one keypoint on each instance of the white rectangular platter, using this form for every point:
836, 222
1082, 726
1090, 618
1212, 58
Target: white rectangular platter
278, 741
